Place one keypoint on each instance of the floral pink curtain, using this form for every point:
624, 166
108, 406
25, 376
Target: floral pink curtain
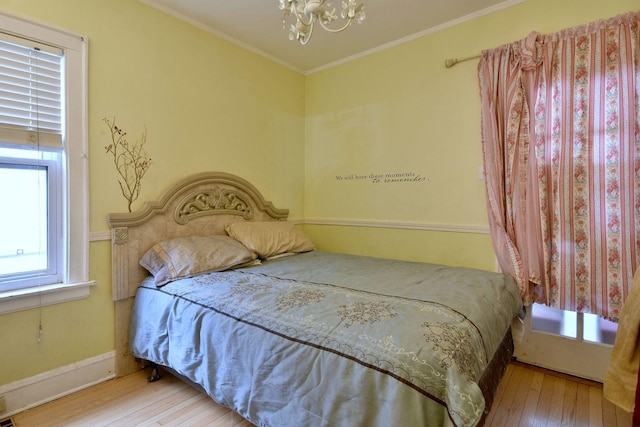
563, 162
506, 75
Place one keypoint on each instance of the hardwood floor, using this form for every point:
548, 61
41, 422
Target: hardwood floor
132, 401
527, 396
530, 396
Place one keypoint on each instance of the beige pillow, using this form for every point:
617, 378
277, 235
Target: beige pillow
189, 256
270, 238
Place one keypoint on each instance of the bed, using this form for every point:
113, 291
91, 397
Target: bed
289, 335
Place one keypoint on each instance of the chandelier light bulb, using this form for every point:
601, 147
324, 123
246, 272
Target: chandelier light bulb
308, 12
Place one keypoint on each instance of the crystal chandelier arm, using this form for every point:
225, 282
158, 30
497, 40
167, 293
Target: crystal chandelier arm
305, 35
296, 8
349, 12
300, 16
335, 30
301, 30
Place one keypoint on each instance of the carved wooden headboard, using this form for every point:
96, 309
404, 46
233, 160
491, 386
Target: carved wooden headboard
201, 204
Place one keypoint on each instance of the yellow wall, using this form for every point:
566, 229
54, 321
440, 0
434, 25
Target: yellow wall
206, 107
402, 111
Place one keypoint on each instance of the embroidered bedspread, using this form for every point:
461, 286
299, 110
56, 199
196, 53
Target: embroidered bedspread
324, 339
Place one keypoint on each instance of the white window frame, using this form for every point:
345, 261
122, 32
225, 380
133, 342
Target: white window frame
75, 201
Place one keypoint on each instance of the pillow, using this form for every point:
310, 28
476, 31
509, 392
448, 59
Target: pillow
270, 238
189, 256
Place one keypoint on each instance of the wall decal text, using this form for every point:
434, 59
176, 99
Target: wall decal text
384, 178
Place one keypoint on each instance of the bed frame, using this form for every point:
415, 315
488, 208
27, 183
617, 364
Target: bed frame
201, 204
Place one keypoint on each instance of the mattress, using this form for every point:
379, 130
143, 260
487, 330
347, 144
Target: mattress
325, 339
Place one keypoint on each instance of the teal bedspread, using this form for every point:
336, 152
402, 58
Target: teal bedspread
324, 339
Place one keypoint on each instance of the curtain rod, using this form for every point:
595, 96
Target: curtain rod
453, 61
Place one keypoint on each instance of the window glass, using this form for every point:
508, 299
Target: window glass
554, 321
23, 248
29, 250
569, 324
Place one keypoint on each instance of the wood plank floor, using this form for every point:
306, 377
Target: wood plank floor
531, 396
527, 396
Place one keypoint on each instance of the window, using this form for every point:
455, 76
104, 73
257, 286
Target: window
581, 326
43, 156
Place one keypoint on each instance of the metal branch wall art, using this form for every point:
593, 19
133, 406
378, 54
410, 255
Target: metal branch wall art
131, 160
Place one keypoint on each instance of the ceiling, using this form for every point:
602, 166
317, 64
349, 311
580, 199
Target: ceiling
257, 25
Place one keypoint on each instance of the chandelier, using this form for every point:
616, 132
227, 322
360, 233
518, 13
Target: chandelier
308, 12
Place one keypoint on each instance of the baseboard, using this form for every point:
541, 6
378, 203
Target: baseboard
42, 388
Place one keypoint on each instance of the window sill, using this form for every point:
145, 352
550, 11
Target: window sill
25, 299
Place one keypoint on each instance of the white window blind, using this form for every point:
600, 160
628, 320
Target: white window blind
30, 93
